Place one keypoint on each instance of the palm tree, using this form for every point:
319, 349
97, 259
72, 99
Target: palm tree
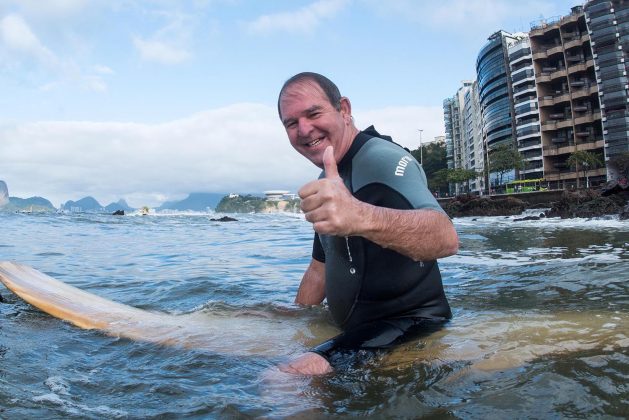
584, 161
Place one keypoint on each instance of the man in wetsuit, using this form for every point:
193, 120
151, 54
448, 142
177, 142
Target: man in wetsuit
378, 229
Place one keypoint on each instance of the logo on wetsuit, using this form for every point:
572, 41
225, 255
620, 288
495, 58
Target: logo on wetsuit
401, 166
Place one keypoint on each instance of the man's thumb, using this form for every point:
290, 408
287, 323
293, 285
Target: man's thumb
329, 163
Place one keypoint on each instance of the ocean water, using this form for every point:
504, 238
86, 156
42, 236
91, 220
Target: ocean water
540, 328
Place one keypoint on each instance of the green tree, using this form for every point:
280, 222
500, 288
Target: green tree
460, 175
438, 181
433, 159
504, 159
584, 161
241, 204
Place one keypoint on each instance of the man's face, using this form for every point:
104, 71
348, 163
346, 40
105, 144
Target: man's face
313, 123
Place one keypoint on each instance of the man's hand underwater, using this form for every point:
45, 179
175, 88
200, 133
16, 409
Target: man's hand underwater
307, 364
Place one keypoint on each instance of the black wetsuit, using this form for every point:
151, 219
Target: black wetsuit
378, 296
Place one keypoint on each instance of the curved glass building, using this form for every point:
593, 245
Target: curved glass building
495, 98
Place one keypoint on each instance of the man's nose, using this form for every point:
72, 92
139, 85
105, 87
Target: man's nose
304, 127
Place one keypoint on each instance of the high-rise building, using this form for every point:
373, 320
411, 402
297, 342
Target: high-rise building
569, 111
526, 107
608, 26
457, 150
495, 98
472, 138
449, 112
560, 89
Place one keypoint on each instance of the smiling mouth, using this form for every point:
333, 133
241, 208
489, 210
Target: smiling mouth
314, 143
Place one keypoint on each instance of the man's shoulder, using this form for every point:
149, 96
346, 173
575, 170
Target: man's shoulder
381, 159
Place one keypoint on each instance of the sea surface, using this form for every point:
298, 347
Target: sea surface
540, 327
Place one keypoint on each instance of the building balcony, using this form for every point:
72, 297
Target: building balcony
549, 126
591, 144
588, 118
546, 101
544, 26
540, 55
557, 150
558, 49
556, 125
559, 73
559, 176
571, 18
564, 123
581, 92
580, 66
576, 42
555, 175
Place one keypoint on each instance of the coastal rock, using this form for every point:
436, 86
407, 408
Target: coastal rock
587, 203
523, 219
118, 213
224, 219
468, 205
4, 194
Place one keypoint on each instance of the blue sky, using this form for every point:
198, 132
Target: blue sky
148, 101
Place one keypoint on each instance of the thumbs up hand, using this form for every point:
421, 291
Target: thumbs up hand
329, 163
328, 204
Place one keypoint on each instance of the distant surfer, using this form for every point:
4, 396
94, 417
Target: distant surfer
378, 229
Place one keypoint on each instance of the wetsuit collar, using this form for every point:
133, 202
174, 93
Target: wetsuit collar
361, 138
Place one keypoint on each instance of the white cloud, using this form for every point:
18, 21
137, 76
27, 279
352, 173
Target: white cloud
403, 123
240, 148
51, 9
461, 15
26, 53
102, 69
159, 51
16, 35
306, 19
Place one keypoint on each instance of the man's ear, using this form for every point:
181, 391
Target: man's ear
346, 109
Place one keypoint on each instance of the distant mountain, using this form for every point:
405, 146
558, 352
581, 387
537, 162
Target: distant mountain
120, 205
4, 194
195, 202
34, 204
88, 204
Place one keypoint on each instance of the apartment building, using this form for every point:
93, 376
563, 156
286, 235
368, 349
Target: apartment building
561, 88
455, 127
526, 107
496, 98
608, 27
570, 113
473, 138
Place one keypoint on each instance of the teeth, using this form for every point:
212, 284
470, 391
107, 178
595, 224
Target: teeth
314, 143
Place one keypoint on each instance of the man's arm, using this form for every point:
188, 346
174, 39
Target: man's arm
312, 288
311, 292
422, 234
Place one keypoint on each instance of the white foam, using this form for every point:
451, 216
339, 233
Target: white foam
61, 388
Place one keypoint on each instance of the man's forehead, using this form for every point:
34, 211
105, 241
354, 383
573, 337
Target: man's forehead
304, 88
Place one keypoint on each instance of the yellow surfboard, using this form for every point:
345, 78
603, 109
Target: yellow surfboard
236, 334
